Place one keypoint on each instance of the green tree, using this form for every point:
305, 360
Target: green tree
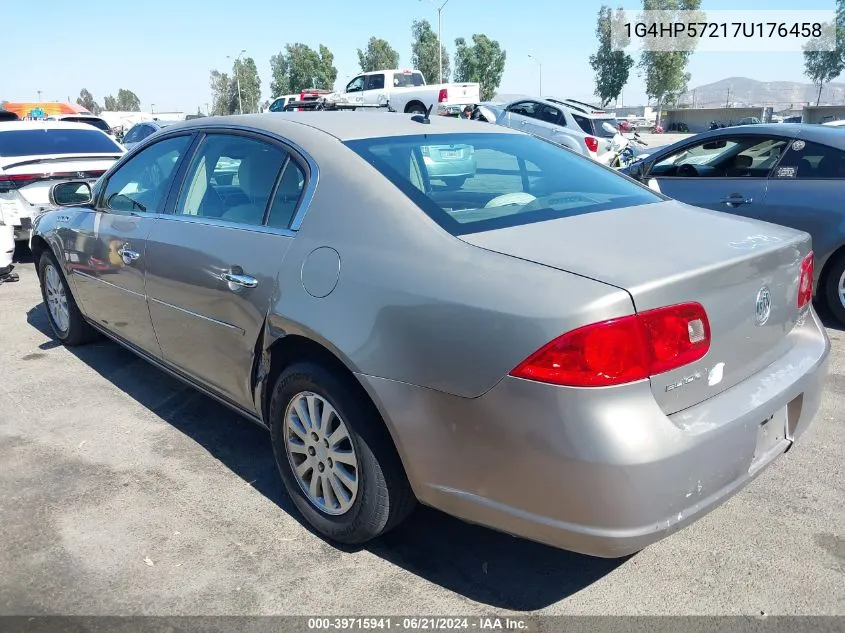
482, 62
300, 67
220, 101
244, 79
380, 55
424, 53
665, 72
612, 67
128, 101
86, 100
823, 66
110, 104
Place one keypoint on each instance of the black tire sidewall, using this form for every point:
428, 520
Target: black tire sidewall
369, 514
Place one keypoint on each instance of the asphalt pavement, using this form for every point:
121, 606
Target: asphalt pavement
124, 492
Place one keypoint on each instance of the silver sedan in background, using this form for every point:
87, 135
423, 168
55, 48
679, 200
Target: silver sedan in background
548, 349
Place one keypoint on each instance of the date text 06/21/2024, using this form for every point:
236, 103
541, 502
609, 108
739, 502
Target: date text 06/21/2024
418, 623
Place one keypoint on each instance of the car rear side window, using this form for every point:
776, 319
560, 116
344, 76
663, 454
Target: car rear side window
584, 123
811, 161
231, 178
287, 196
56, 141
478, 182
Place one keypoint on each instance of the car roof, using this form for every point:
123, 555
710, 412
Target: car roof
807, 131
81, 115
9, 126
347, 126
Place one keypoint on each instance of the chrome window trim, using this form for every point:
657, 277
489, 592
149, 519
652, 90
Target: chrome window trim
108, 283
240, 226
197, 315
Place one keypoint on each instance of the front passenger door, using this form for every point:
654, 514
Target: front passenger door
108, 250
724, 173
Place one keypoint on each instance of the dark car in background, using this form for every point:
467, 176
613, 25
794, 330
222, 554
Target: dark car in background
140, 131
788, 174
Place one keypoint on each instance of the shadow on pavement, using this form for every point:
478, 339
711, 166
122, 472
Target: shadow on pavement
478, 563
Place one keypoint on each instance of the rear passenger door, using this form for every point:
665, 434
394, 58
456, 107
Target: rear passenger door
374, 89
547, 121
213, 263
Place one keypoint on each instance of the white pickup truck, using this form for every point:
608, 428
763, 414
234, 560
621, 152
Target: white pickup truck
406, 91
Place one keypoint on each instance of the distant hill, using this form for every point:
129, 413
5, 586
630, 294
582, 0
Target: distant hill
742, 91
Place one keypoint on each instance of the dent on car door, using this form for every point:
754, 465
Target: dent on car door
726, 173
213, 263
107, 252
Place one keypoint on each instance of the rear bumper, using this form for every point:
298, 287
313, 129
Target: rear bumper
450, 169
598, 471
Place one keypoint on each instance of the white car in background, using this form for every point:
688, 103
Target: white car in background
35, 155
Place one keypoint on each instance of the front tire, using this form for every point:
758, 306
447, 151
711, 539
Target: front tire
335, 456
834, 288
66, 321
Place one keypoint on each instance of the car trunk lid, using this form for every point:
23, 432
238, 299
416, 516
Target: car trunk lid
669, 253
33, 178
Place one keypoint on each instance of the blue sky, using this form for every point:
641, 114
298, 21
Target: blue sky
164, 50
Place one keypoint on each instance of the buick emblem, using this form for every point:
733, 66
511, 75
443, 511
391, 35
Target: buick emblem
764, 306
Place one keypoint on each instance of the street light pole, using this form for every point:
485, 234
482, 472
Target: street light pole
152, 108
439, 34
39, 95
540, 71
238, 78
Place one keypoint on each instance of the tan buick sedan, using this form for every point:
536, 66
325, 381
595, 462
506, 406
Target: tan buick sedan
547, 347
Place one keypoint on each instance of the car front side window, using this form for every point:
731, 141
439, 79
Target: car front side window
356, 85
738, 157
231, 178
142, 183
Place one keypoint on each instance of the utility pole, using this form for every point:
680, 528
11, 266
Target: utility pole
728, 99
238, 77
540, 71
39, 96
439, 33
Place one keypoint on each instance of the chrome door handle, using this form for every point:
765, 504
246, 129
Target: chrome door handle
240, 280
128, 256
736, 200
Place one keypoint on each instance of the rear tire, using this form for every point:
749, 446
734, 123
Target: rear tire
66, 320
381, 497
834, 285
415, 108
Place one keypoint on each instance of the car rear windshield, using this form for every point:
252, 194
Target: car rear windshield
97, 123
407, 80
601, 131
469, 183
56, 141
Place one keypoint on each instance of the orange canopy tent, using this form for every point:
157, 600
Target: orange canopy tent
44, 109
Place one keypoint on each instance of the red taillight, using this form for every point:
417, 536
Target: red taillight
443, 95
592, 143
622, 350
805, 282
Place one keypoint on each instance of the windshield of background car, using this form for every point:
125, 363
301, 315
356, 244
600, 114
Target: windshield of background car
469, 183
56, 141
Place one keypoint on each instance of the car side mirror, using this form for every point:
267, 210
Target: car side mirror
69, 193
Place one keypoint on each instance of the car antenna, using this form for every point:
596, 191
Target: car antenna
425, 120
